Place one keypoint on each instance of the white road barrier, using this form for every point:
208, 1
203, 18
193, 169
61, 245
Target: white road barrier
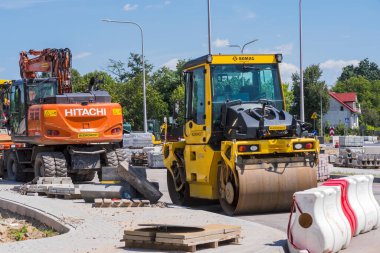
367, 201
320, 223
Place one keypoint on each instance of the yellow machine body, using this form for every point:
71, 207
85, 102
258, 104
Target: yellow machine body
263, 179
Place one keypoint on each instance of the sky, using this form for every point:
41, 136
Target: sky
335, 33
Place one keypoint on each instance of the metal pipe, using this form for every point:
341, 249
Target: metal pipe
209, 26
302, 103
143, 64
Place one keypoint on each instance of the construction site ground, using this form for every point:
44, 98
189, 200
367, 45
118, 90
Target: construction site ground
100, 229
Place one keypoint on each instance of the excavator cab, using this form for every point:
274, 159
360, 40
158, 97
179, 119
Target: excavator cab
240, 146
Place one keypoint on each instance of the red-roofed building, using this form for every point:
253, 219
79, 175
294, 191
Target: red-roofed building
343, 109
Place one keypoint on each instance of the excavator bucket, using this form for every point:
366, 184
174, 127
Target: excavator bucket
266, 188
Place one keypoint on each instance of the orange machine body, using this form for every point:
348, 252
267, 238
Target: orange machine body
56, 124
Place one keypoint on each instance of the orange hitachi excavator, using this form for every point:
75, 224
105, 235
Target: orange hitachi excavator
65, 133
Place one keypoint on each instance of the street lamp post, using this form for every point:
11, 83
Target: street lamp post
302, 104
242, 48
143, 63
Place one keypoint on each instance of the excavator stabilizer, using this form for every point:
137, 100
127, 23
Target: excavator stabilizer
266, 188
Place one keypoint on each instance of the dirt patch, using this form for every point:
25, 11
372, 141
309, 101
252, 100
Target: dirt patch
14, 227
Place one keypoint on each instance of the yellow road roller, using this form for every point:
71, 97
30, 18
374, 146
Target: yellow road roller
238, 145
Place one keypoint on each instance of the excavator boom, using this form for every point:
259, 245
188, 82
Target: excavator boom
55, 62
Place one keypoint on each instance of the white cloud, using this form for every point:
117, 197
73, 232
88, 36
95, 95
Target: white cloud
81, 55
130, 7
337, 65
218, 43
171, 64
333, 68
285, 49
167, 2
287, 69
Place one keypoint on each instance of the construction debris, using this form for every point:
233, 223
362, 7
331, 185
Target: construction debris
121, 203
167, 237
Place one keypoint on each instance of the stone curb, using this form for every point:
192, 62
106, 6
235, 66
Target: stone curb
35, 214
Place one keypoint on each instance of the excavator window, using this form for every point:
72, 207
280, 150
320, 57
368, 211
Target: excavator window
247, 83
37, 92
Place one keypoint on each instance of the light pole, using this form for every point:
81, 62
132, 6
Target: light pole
242, 48
322, 132
302, 104
143, 63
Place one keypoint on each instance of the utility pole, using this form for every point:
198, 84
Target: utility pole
302, 103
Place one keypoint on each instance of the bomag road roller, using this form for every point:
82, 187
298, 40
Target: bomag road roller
238, 144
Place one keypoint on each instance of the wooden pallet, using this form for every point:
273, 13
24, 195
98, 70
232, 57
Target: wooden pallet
182, 238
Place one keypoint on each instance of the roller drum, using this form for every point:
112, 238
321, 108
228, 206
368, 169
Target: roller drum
268, 188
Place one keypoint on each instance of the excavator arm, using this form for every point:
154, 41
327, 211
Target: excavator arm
55, 62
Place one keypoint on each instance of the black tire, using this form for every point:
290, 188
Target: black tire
181, 198
60, 164
15, 171
44, 165
121, 155
111, 158
89, 176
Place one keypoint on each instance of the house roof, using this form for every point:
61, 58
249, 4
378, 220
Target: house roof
344, 98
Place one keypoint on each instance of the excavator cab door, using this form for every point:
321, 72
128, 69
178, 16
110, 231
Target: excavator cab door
17, 109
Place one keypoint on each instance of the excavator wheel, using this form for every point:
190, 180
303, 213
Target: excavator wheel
14, 169
44, 165
263, 188
60, 164
89, 176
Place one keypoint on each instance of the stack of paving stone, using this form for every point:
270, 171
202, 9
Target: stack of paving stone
323, 168
181, 238
51, 187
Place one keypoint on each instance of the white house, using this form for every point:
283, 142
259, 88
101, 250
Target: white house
344, 108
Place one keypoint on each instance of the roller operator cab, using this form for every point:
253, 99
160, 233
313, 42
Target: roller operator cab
69, 134
239, 145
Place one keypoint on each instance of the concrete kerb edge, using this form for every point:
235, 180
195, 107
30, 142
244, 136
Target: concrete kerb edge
30, 212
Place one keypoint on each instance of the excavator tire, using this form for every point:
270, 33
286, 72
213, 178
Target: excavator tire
60, 164
263, 187
15, 170
121, 155
44, 165
89, 176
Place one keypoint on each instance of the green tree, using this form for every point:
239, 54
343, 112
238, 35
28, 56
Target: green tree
366, 69
178, 98
314, 88
288, 96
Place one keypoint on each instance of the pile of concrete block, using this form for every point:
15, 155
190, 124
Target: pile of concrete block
351, 141
323, 168
137, 140
155, 159
370, 139
51, 187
